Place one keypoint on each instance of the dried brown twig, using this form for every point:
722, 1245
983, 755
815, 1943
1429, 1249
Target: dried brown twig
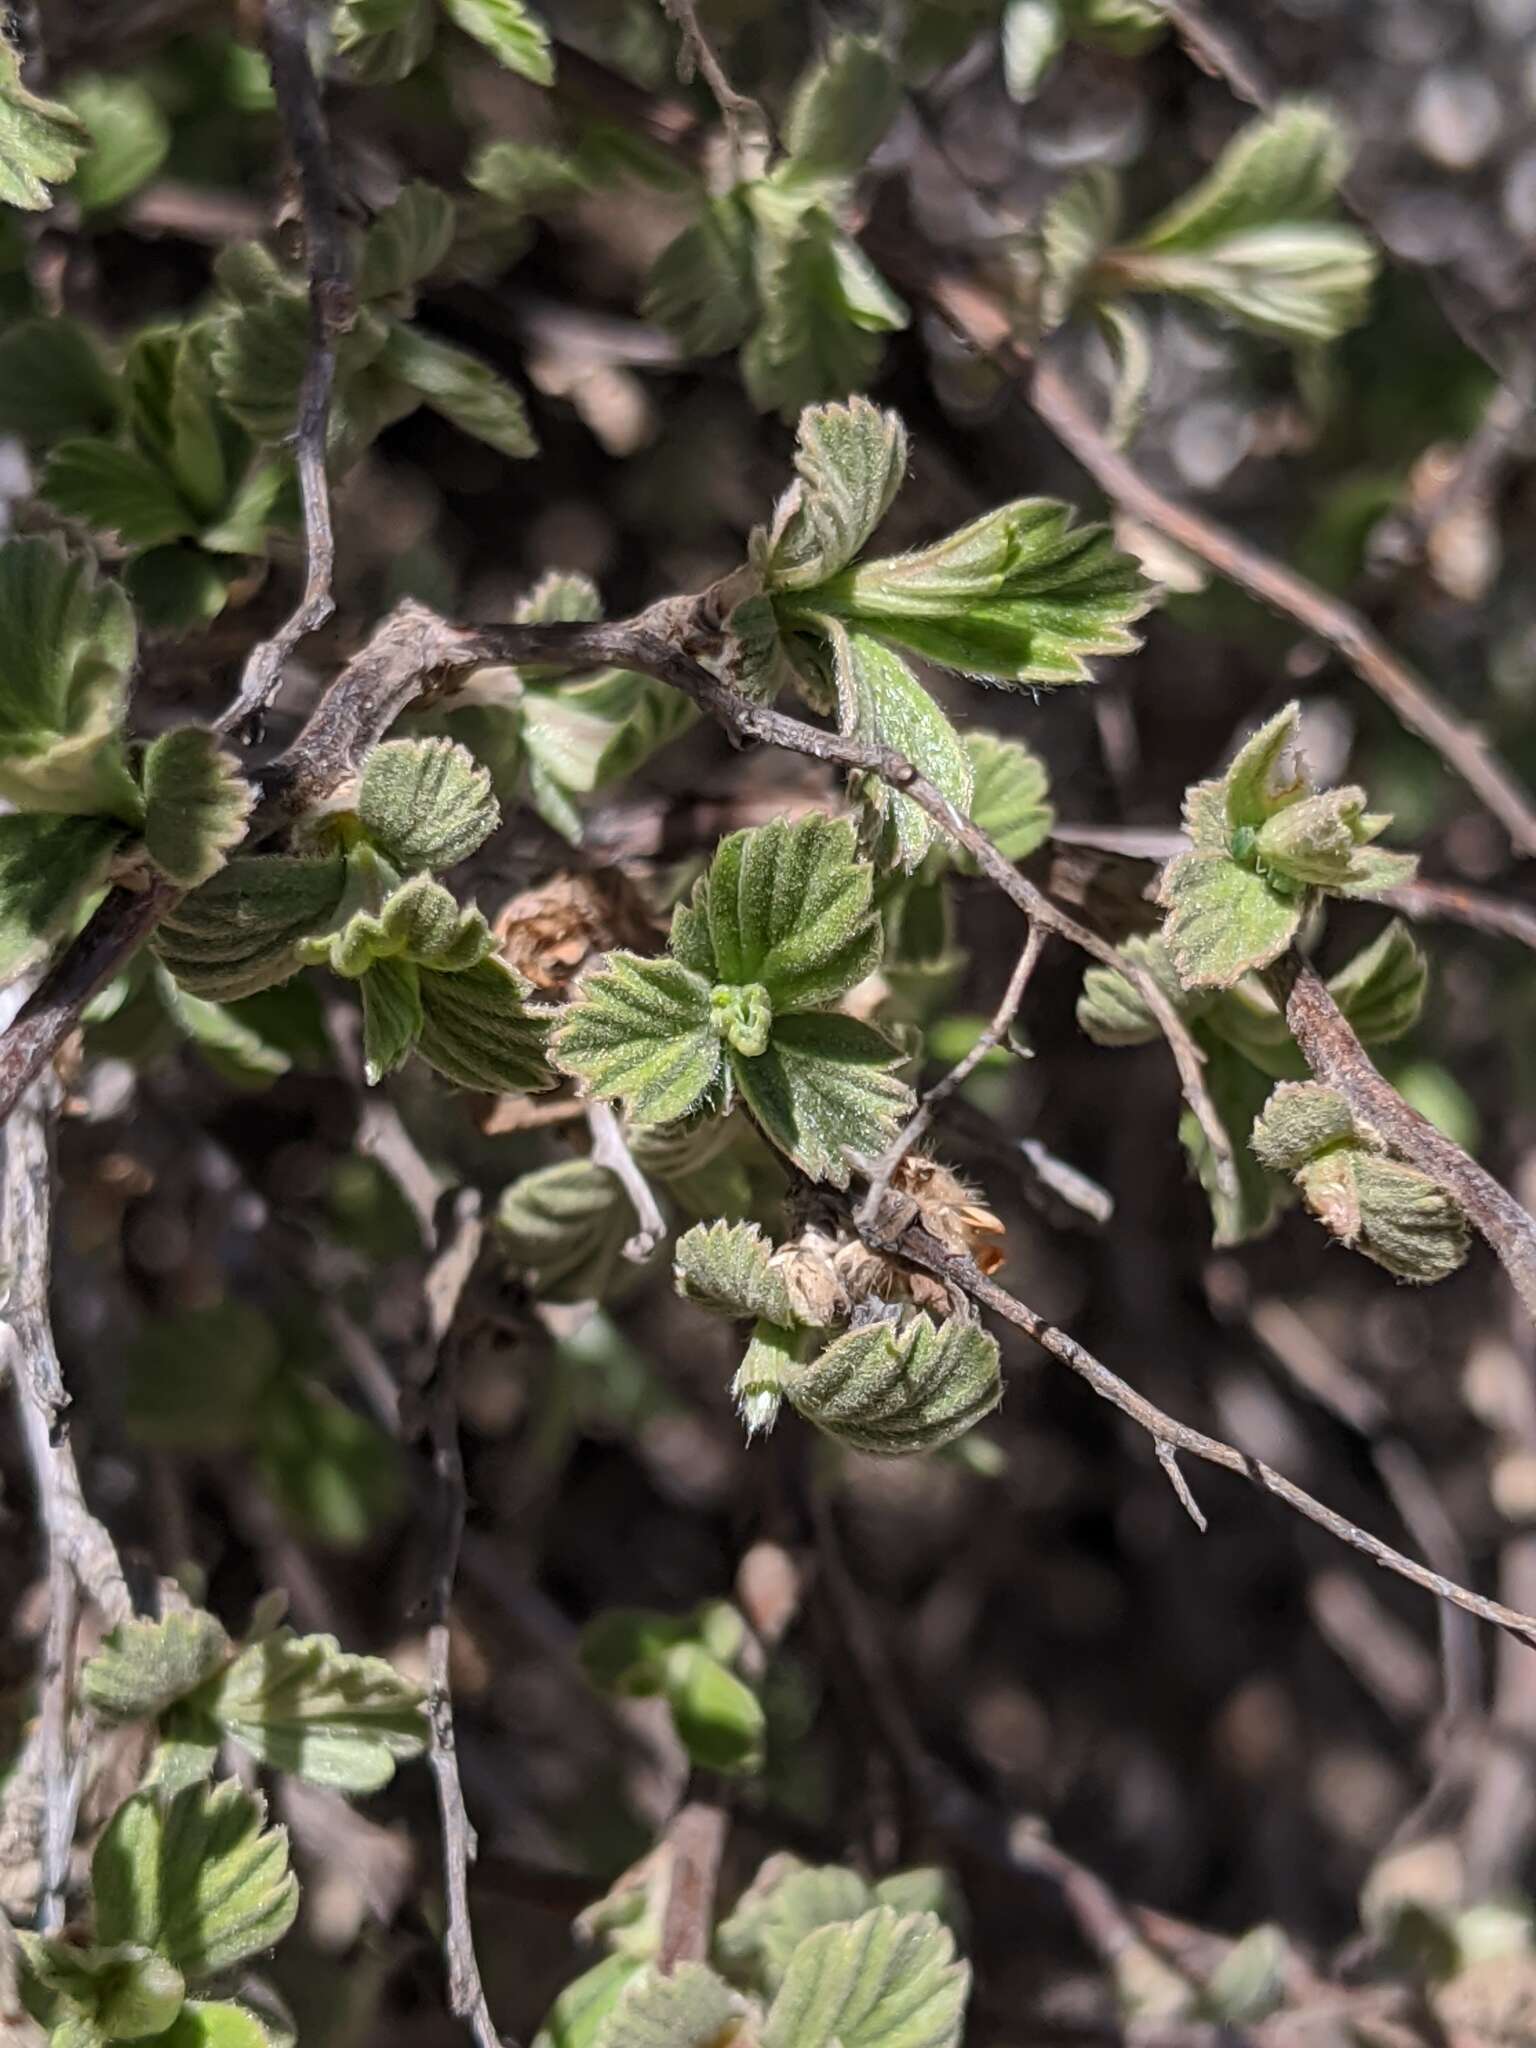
444, 1289
694, 1844
332, 309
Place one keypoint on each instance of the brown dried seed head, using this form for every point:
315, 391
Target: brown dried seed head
550, 933
952, 1211
808, 1266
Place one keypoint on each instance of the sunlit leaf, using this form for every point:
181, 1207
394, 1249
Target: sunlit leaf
850, 460
882, 702
727, 1267
144, 1667
40, 141
462, 387
512, 33
701, 287
130, 138
642, 1031
47, 865
196, 803
886, 1981
841, 109
824, 1086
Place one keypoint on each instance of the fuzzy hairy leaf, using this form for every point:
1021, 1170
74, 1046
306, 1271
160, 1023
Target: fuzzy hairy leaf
40, 141
303, 1704
823, 307
1300, 1120
564, 1229
405, 243
897, 1390
1113, 1011
824, 1085
383, 41
54, 382
577, 2014
1392, 1213
642, 1031
583, 735
66, 650
788, 1901
850, 461
1238, 1090
1323, 841
196, 1877
196, 803
786, 906
116, 490
129, 138
881, 701
391, 992
219, 2023
1009, 797
144, 1667
240, 931
478, 1030
462, 387
426, 803
526, 176
886, 1981
1382, 990
512, 33
1023, 594
1284, 167
1076, 228
1223, 920
727, 1267
381, 918
841, 109
172, 415
693, 2008
701, 287
99, 1994
47, 865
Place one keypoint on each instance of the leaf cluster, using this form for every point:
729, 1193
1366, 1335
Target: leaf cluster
690, 1661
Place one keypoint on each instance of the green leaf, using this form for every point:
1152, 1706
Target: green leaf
391, 991
1302, 1119
719, 1719
1252, 239
785, 1903
583, 735
728, 1267
1323, 841
1126, 27
787, 906
196, 803
692, 2008
478, 1030
382, 918
461, 387
217, 2023
405, 243
841, 109
512, 33
824, 1086
1249, 1983
526, 176
144, 1667
426, 803
197, 1877
96, 1994
1392, 1213
887, 1981
303, 1704
66, 650
898, 1390
1009, 799
824, 307
1023, 594
563, 1229
1076, 228
563, 596
334, 1473
233, 1047
577, 2014
173, 417
1382, 989
1284, 167
251, 511
116, 491
1223, 920
1130, 347
1255, 788
47, 864
1238, 1091
54, 382
1113, 1011
240, 931
701, 287
622, 1650
641, 1030
850, 461
40, 141
130, 139
1033, 35
383, 41
177, 589
880, 701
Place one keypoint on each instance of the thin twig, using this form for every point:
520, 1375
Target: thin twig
917, 1124
695, 1843
697, 54
972, 311
1498, 917
1337, 1058
610, 1149
915, 1244
444, 1288
81, 1555
332, 310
